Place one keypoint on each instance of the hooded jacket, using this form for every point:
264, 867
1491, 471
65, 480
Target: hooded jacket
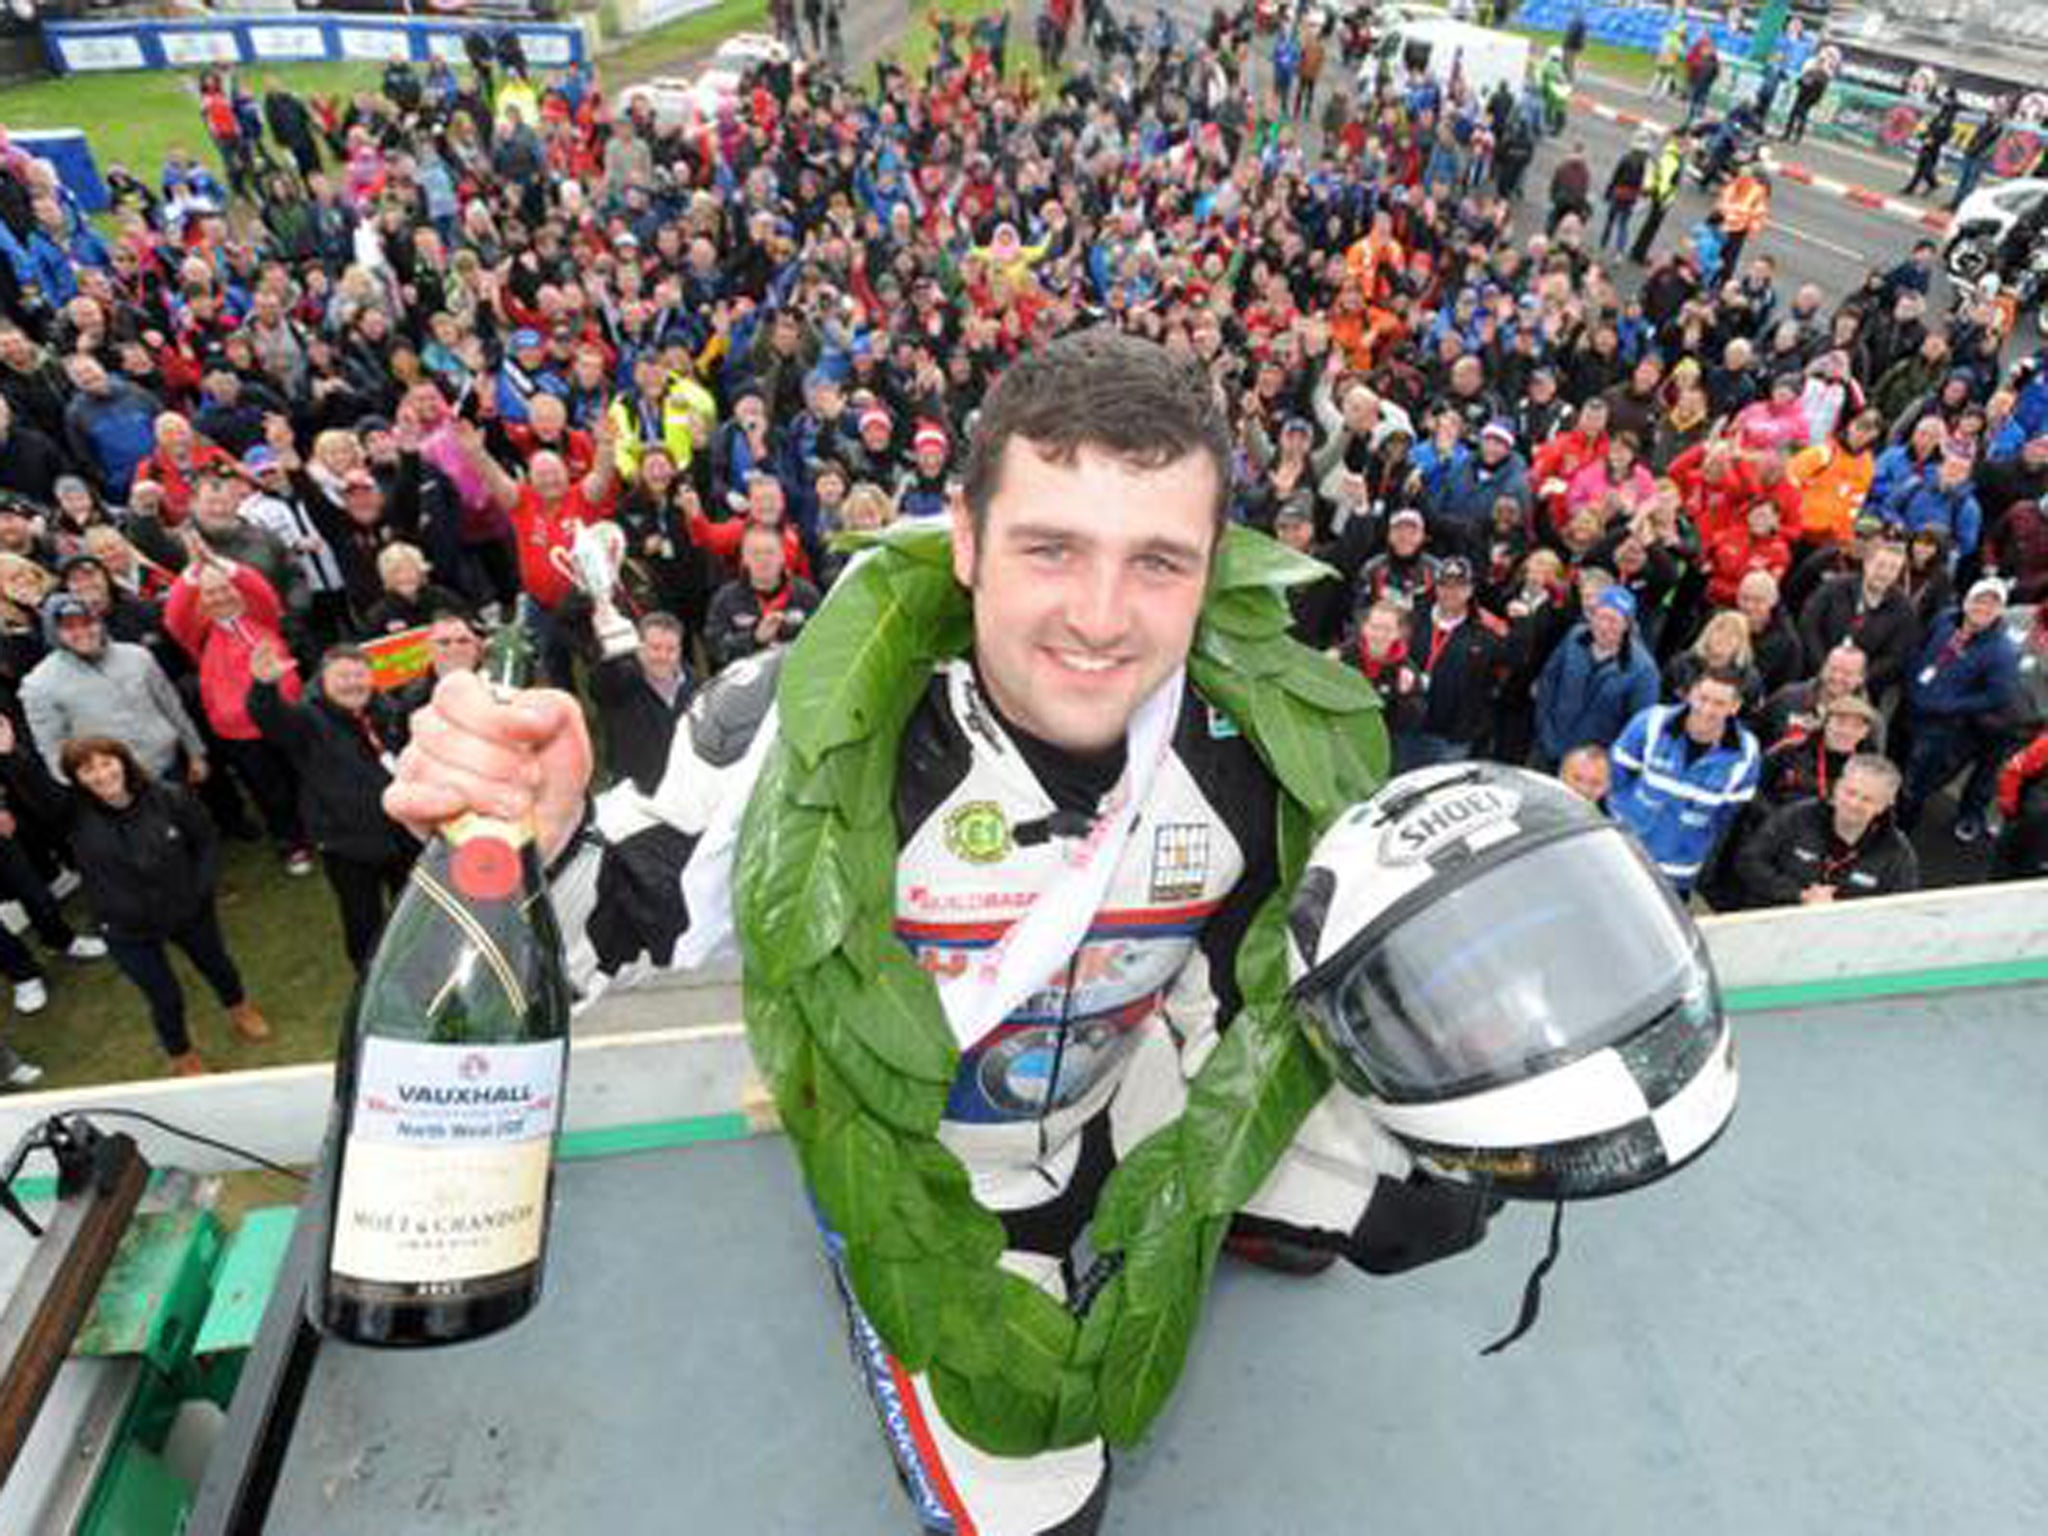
121, 693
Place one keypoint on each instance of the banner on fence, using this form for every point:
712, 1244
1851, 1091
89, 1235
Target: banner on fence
84, 46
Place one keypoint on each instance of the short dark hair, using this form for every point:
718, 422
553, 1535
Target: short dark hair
1102, 389
1721, 672
343, 652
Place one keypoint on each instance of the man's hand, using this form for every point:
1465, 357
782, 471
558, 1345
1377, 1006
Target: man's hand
196, 772
769, 627
265, 665
472, 753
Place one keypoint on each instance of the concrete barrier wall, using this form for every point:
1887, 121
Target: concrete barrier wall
669, 1062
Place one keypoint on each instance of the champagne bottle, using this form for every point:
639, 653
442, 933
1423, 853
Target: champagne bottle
449, 1089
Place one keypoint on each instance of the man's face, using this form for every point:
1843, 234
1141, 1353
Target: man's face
213, 504
453, 647
1859, 799
87, 374
762, 554
1087, 580
82, 635
1845, 730
1982, 611
550, 476
1586, 775
661, 653
345, 683
1609, 628
1882, 567
1453, 596
1844, 671
1756, 600
16, 350
1709, 707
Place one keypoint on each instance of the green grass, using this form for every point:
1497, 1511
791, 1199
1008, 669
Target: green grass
135, 117
914, 53
286, 939
659, 51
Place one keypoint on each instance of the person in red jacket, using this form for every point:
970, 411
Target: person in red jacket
219, 612
1564, 454
181, 460
2022, 852
1755, 543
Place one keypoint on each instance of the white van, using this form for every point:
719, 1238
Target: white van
1484, 56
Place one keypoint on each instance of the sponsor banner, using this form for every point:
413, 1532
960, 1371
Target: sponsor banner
283, 43
197, 48
88, 52
396, 660
83, 46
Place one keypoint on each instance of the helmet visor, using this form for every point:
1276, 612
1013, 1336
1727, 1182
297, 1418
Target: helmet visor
1514, 973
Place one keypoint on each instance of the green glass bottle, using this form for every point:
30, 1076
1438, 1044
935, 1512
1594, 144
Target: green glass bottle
449, 1089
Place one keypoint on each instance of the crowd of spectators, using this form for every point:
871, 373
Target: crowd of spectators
1735, 561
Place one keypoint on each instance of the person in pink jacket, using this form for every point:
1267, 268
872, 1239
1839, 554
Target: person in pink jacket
1615, 484
220, 612
1779, 419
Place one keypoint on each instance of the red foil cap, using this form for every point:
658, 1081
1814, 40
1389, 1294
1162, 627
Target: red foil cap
485, 869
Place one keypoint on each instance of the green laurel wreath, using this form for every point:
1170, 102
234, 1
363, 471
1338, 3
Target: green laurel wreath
849, 1033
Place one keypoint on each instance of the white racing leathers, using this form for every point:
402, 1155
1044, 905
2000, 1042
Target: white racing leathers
1051, 1096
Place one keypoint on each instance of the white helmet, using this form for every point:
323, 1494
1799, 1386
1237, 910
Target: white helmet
1506, 980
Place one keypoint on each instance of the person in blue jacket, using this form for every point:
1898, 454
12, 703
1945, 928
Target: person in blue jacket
1683, 774
1945, 499
1968, 672
1461, 505
1600, 677
109, 426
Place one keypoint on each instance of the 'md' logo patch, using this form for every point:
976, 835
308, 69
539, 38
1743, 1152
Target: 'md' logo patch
1180, 861
1221, 726
978, 832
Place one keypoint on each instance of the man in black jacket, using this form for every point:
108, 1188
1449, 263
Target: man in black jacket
640, 697
30, 464
764, 607
1869, 611
341, 743
1460, 651
1837, 849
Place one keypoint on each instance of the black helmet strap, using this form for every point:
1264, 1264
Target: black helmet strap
1532, 1288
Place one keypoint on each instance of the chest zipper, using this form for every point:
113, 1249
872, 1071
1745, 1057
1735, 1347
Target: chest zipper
1059, 1056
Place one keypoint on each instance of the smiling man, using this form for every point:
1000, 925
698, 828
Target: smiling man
1065, 769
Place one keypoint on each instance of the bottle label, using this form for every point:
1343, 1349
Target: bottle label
445, 1175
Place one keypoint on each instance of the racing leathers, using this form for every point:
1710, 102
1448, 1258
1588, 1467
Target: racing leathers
1050, 1098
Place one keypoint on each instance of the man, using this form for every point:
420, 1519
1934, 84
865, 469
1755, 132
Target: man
640, 696
1966, 675
30, 464
1600, 677
1773, 642
90, 686
1459, 650
1588, 773
454, 644
764, 606
1868, 610
1838, 849
1796, 710
109, 426
1682, 774
1461, 509
340, 742
1073, 701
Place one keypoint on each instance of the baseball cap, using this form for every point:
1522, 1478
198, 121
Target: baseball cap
1405, 515
929, 434
875, 416
258, 459
1297, 424
1986, 586
1457, 569
1500, 429
1618, 599
526, 338
1867, 526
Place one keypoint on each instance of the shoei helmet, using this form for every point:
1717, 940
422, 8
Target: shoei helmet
1508, 982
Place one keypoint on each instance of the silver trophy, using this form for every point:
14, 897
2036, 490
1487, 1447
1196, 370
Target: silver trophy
592, 562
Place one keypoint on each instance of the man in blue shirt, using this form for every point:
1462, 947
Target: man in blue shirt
1683, 773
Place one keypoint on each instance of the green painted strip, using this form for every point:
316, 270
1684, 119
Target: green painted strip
617, 1140
1852, 989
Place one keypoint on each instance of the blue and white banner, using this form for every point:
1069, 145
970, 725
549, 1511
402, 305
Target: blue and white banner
84, 46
